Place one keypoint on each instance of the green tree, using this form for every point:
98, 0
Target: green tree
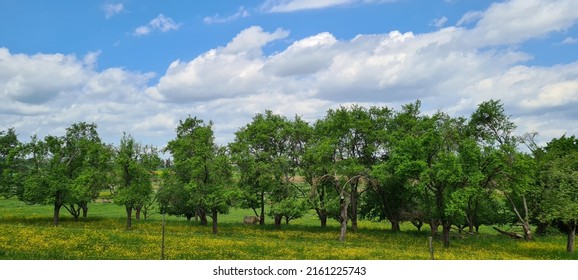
268, 152
67, 171
135, 166
559, 179
435, 160
389, 195
505, 169
202, 174
10, 163
341, 154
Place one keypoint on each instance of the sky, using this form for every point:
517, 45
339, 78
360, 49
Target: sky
141, 66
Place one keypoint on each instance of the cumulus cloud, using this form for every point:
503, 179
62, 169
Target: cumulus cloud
515, 21
241, 13
160, 23
452, 68
226, 71
45, 93
111, 10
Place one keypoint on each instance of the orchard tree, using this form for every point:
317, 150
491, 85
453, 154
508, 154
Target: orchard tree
341, 154
389, 195
559, 179
202, 174
504, 169
268, 152
66, 171
134, 166
11, 163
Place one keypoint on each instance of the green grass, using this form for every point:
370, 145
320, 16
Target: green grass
27, 233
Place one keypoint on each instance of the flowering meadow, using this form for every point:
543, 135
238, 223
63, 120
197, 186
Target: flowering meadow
27, 233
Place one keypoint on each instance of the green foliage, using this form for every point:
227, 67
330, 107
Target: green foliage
200, 180
268, 152
134, 167
10, 164
67, 171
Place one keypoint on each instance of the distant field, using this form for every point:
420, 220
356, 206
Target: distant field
27, 233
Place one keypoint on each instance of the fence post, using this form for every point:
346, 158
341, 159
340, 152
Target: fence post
163, 239
431, 250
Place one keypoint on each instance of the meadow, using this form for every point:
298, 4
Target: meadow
27, 233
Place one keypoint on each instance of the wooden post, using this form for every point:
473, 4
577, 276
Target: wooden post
163, 240
431, 250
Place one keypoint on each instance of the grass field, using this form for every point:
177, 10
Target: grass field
27, 233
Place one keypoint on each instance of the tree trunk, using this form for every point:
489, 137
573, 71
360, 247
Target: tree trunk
57, 207
84, 207
395, 225
214, 216
354, 199
433, 224
446, 234
262, 216
510, 234
542, 227
278, 219
343, 215
137, 213
571, 236
417, 223
203, 216
128, 217
323, 218
523, 220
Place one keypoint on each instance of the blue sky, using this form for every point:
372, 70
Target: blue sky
140, 66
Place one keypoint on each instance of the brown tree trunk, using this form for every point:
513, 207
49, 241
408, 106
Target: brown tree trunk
417, 223
214, 216
434, 227
84, 210
56, 217
128, 217
203, 217
446, 234
323, 218
262, 216
137, 213
571, 236
278, 219
354, 198
395, 225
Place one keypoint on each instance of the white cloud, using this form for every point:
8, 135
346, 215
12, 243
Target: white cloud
241, 13
285, 6
469, 17
39, 78
439, 22
160, 23
111, 10
515, 21
452, 68
225, 71
569, 41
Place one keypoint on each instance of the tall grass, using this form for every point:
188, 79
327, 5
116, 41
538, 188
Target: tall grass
27, 233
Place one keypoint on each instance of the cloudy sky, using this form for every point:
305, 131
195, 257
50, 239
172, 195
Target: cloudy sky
141, 66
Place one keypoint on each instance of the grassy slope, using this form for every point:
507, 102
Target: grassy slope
27, 233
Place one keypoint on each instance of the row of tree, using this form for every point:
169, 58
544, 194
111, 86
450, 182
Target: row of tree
375, 163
